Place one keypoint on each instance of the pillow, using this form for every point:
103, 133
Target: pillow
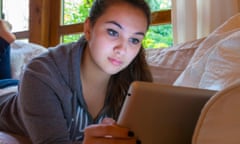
166, 64
21, 54
216, 63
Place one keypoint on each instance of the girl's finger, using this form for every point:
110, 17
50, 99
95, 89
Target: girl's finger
100, 140
108, 121
107, 130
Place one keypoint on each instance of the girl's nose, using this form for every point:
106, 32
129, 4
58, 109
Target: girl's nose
120, 48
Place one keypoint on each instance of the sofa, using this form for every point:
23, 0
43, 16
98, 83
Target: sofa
212, 62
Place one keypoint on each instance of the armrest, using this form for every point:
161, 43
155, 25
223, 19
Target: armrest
219, 119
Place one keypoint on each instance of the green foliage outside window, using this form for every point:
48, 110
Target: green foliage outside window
159, 36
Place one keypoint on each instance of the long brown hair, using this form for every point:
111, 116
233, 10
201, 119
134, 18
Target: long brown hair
137, 70
119, 83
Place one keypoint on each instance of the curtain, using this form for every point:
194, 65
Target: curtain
194, 19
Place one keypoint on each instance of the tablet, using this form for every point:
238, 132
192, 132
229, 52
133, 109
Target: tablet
162, 114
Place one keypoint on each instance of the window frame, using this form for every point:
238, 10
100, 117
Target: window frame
45, 26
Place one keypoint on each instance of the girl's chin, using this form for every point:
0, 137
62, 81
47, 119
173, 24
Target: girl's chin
113, 71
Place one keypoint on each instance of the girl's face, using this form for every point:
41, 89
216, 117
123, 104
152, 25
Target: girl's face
115, 39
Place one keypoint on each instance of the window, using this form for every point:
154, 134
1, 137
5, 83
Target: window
18, 16
159, 35
48, 22
76, 11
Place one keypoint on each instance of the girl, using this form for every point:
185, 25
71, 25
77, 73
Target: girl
74, 92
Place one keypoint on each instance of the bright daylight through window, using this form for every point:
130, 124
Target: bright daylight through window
17, 13
158, 36
76, 11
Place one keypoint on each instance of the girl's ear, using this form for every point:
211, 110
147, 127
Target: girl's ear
87, 29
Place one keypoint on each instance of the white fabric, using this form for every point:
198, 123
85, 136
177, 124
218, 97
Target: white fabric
166, 64
194, 19
216, 63
8, 90
21, 54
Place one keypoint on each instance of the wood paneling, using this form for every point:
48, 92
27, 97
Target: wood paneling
71, 29
22, 34
39, 22
161, 17
55, 22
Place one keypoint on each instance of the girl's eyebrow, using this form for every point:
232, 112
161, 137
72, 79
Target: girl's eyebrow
115, 23
118, 25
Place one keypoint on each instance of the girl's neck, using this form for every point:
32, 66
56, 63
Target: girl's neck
94, 85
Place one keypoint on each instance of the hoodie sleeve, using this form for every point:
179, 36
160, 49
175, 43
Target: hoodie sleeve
41, 107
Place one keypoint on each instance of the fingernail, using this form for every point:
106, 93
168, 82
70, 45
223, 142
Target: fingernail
138, 142
130, 134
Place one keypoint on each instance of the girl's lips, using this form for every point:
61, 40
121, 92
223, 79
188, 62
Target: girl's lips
115, 61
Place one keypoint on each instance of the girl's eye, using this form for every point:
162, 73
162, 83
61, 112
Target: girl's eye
112, 32
134, 41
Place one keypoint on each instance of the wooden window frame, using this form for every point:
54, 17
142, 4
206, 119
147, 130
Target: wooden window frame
45, 23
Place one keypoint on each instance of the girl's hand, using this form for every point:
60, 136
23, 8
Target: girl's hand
108, 132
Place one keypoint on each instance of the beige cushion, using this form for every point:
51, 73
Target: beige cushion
216, 63
219, 122
166, 64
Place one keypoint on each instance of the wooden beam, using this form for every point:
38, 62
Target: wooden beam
45, 26
22, 34
35, 21
39, 22
71, 29
161, 17
55, 22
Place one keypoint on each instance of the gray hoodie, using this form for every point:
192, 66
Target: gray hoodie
49, 107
